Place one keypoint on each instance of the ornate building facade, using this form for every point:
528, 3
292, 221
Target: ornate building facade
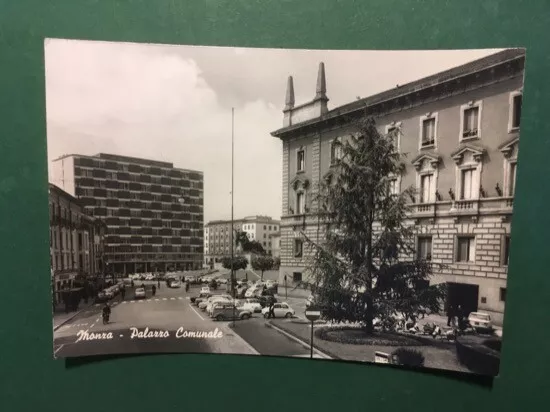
460, 131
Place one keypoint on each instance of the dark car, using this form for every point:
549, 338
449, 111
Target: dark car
265, 300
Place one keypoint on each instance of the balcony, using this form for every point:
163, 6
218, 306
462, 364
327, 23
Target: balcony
145, 179
463, 207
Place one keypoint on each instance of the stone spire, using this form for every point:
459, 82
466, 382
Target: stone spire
289, 101
321, 92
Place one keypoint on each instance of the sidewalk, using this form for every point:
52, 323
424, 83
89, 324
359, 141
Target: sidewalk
60, 318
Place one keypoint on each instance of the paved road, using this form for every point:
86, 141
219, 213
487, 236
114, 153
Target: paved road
168, 312
268, 341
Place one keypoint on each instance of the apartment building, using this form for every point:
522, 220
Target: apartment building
76, 242
460, 129
260, 229
153, 211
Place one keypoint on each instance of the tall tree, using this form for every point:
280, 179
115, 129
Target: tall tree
239, 262
366, 266
262, 263
246, 245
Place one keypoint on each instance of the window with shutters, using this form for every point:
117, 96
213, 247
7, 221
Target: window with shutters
465, 249
427, 189
424, 248
428, 131
470, 121
466, 189
301, 160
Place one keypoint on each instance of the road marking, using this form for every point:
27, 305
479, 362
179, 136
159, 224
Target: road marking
124, 302
148, 300
57, 350
164, 299
121, 335
188, 298
198, 314
180, 298
172, 298
156, 300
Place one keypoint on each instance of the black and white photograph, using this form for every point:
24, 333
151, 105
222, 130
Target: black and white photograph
322, 204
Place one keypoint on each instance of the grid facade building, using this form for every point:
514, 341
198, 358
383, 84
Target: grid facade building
153, 211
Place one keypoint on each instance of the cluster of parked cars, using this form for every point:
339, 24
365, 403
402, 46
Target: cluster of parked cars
225, 307
109, 292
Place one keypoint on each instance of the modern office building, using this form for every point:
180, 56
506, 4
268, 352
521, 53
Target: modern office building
460, 129
153, 211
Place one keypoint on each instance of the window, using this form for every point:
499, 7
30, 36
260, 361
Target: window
298, 246
265, 245
301, 158
265, 236
465, 249
426, 188
466, 186
470, 122
300, 203
393, 187
297, 276
516, 100
265, 227
512, 179
506, 250
394, 131
269, 227
425, 247
502, 294
428, 132
335, 151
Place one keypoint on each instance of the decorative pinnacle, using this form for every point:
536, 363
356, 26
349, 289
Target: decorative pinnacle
289, 101
321, 92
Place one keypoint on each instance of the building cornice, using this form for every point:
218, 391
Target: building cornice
493, 69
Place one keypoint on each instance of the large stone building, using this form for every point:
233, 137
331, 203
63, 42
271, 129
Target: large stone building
153, 211
76, 242
217, 236
460, 129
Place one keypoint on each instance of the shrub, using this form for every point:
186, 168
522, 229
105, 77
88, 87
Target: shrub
409, 357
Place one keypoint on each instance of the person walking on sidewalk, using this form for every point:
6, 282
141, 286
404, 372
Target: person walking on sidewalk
122, 292
451, 315
154, 288
271, 313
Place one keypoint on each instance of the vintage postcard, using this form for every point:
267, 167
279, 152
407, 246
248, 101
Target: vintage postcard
344, 205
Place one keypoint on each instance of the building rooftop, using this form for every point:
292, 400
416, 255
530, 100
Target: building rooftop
128, 159
454, 73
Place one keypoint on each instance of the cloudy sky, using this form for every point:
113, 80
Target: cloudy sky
173, 103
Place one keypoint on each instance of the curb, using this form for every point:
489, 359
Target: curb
75, 315
292, 336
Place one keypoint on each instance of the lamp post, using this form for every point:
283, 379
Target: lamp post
232, 217
181, 201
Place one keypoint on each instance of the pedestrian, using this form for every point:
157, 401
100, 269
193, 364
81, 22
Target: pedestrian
271, 312
122, 292
154, 290
132, 282
450, 315
460, 317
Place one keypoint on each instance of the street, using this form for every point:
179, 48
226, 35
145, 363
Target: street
167, 322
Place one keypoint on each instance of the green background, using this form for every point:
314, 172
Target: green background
32, 380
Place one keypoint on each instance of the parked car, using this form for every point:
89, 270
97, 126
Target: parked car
150, 276
205, 303
254, 292
266, 300
140, 293
281, 310
109, 293
480, 321
217, 299
205, 289
202, 296
310, 301
228, 311
241, 291
222, 281
253, 305
174, 283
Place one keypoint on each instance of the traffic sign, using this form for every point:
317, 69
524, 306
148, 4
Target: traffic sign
313, 314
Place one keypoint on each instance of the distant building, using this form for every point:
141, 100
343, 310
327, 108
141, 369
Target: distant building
275, 239
217, 236
259, 228
76, 242
153, 211
460, 129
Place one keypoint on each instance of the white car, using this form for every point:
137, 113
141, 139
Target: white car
253, 292
139, 293
175, 284
253, 305
310, 301
150, 276
214, 299
222, 281
480, 320
281, 310
205, 289
269, 284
